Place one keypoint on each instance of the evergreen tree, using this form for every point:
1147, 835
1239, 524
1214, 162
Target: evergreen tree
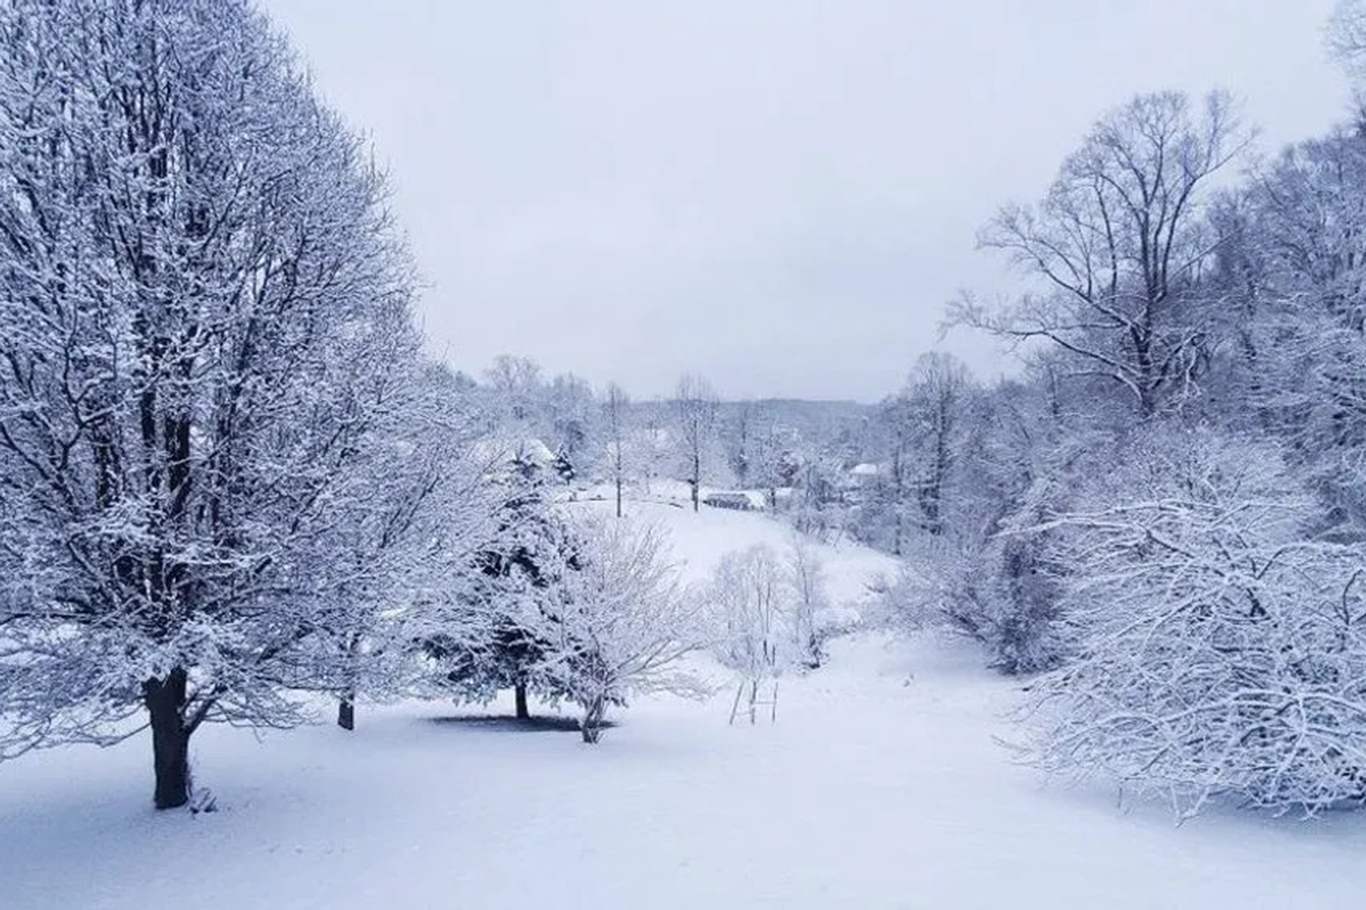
514, 599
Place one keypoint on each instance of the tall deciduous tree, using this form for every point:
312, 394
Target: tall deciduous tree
926, 425
406, 555
1118, 246
616, 409
694, 411
200, 295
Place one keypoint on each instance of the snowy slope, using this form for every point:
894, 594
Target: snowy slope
701, 539
880, 786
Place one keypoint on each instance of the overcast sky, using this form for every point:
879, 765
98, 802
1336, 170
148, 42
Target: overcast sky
780, 195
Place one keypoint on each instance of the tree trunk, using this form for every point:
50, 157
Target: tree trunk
618, 495
346, 711
165, 702
520, 695
346, 705
696, 477
592, 720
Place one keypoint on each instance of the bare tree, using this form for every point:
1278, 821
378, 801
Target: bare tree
1298, 309
615, 408
1347, 38
925, 427
937, 397
570, 421
1118, 245
739, 434
517, 383
409, 553
770, 456
694, 408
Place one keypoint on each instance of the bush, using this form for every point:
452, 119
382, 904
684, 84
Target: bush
1217, 650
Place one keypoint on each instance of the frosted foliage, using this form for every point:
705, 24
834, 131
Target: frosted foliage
626, 621
1217, 650
207, 354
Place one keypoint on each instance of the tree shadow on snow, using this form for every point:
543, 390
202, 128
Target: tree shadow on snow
509, 723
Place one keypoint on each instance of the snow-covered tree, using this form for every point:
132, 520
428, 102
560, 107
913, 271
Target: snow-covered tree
502, 626
518, 391
626, 621
1216, 649
571, 418
1294, 279
1347, 40
819, 496
736, 432
694, 415
1117, 247
616, 429
925, 427
752, 617
805, 578
769, 463
410, 548
200, 296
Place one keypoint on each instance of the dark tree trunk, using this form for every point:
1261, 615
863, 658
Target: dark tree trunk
165, 702
346, 711
618, 493
520, 695
346, 699
592, 720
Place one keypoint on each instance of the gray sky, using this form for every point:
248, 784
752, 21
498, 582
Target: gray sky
780, 195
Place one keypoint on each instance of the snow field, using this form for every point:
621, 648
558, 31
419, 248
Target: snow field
880, 786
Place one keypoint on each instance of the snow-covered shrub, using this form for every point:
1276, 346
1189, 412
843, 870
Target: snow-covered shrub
805, 579
1218, 651
996, 591
751, 613
754, 618
1023, 611
624, 623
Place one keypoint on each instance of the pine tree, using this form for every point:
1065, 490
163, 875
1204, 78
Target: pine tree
514, 597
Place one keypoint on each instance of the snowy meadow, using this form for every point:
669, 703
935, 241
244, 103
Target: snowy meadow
880, 785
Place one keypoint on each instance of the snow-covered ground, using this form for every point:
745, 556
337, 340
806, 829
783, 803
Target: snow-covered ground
880, 786
701, 539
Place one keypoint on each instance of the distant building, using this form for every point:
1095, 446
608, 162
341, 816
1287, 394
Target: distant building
740, 502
